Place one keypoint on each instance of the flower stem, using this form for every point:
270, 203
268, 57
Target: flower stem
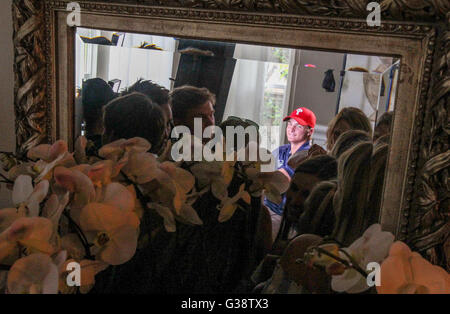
352, 263
81, 235
355, 265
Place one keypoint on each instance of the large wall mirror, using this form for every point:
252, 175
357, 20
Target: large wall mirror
262, 59
256, 82
298, 52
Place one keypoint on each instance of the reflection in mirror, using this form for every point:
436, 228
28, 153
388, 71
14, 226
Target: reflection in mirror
321, 111
260, 83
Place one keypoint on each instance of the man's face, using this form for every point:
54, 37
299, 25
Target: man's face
204, 112
299, 190
295, 132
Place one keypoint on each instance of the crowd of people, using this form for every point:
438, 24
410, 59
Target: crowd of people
334, 193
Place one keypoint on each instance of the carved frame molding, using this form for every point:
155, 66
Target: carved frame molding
424, 222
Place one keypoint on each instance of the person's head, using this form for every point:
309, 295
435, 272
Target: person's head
349, 118
189, 102
300, 125
347, 140
352, 216
318, 217
246, 124
306, 176
96, 93
159, 95
383, 126
134, 115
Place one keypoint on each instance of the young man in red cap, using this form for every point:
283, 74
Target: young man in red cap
299, 131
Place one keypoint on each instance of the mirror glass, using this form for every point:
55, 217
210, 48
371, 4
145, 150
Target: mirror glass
260, 83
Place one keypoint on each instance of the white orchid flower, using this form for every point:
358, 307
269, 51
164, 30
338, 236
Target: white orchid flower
373, 246
25, 195
229, 205
33, 274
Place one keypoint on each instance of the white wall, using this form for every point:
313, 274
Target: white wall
7, 138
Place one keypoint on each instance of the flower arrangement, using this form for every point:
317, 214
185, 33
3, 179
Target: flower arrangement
71, 208
401, 270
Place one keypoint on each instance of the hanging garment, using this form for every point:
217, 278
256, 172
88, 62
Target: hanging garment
329, 83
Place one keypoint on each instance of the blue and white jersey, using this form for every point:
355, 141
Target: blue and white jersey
282, 155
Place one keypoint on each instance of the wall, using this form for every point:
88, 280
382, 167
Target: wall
7, 139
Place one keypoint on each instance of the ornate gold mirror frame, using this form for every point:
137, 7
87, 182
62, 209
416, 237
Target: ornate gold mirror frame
416, 194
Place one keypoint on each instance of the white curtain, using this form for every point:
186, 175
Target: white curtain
130, 64
246, 96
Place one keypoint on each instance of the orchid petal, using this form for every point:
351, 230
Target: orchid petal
227, 211
118, 195
8, 216
189, 215
228, 171
57, 149
121, 246
346, 281
89, 269
101, 217
434, 278
40, 152
166, 214
206, 171
112, 151
404, 271
184, 179
137, 145
33, 274
76, 182
23, 187
65, 160
101, 172
39, 194
32, 233
219, 189
80, 149
60, 258
141, 167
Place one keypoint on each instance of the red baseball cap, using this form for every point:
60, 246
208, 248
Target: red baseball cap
303, 116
